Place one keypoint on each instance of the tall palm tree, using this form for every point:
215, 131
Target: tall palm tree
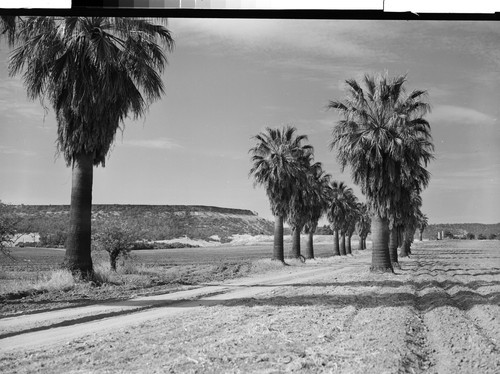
423, 222
363, 225
411, 221
406, 217
337, 214
352, 218
94, 71
300, 203
382, 136
318, 202
279, 164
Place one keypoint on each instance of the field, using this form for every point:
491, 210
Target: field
439, 314
145, 272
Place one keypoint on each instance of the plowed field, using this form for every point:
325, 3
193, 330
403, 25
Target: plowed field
439, 314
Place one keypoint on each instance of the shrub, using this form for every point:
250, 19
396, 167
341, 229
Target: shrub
481, 237
493, 236
103, 274
116, 239
448, 234
8, 228
470, 236
58, 280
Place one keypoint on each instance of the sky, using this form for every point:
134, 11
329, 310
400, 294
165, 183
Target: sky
229, 79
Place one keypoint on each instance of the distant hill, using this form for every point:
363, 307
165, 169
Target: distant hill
157, 222
462, 229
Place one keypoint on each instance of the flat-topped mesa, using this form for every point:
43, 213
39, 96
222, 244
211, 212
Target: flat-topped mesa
158, 222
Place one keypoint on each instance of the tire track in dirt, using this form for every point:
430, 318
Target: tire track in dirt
457, 319
48, 331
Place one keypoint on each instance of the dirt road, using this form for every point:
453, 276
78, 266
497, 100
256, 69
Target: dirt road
439, 314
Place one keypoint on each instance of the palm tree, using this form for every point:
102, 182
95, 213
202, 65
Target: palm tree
363, 225
319, 199
352, 218
95, 71
383, 137
423, 222
337, 214
411, 222
300, 203
279, 163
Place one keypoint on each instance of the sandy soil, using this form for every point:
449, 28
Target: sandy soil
439, 314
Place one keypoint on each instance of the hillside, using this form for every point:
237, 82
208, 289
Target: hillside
462, 229
155, 222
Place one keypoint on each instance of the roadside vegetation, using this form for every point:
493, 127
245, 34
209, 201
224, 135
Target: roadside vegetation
32, 280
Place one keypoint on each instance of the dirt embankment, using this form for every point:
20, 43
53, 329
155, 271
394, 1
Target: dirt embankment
439, 314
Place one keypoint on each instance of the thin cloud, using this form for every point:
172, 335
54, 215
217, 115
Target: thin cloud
451, 114
160, 143
15, 151
339, 39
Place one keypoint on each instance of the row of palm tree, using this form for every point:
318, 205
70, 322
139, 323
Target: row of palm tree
300, 193
281, 163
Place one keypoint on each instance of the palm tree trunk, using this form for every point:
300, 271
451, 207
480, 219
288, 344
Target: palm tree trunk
295, 252
78, 257
421, 234
364, 242
405, 248
411, 238
342, 243
381, 261
393, 247
360, 244
278, 248
348, 244
309, 253
336, 250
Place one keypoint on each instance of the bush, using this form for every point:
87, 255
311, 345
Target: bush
470, 236
493, 236
448, 234
481, 237
116, 239
9, 225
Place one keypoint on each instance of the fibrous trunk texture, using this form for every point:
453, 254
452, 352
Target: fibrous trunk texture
295, 252
309, 252
348, 245
336, 250
78, 257
381, 262
393, 247
278, 248
405, 247
342, 244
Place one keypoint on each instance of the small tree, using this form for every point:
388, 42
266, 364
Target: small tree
8, 228
493, 236
115, 238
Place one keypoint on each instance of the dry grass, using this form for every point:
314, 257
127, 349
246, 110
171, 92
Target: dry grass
56, 280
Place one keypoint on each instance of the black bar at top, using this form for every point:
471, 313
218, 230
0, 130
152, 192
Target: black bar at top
115, 8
